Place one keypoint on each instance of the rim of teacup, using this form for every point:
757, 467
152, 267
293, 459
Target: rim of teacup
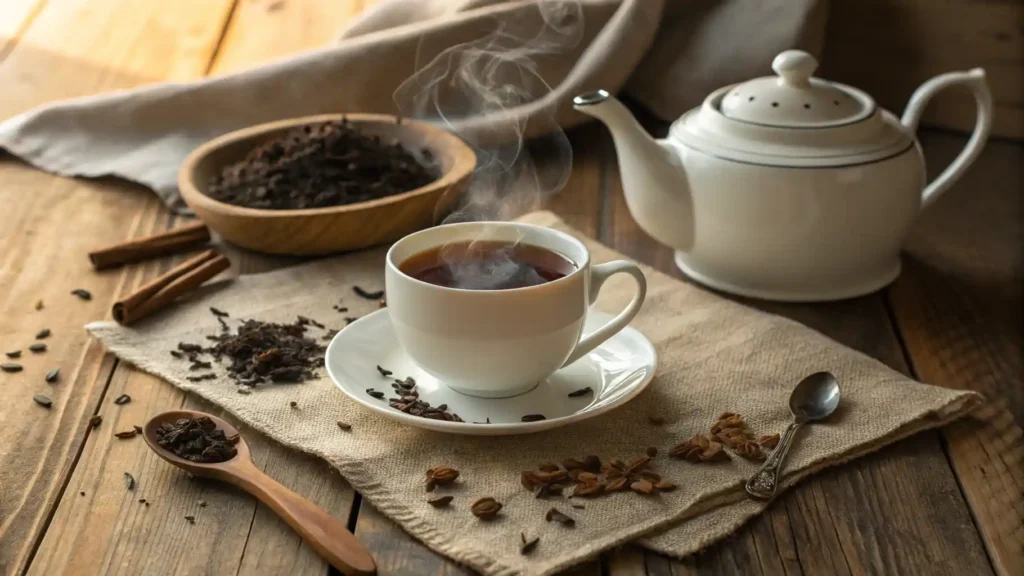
581, 264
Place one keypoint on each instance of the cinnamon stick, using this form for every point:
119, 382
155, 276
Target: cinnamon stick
167, 288
189, 236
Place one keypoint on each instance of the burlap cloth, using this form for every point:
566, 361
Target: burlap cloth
715, 355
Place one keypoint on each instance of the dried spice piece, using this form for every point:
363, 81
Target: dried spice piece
95, 420
664, 486
129, 481
126, 434
138, 428
581, 392
198, 365
440, 475
363, 293
642, 486
13, 354
556, 515
177, 354
375, 393
699, 448
39, 304
733, 432
42, 400
197, 439
344, 426
201, 377
651, 451
52, 375
331, 163
769, 441
122, 399
219, 313
37, 348
293, 404
533, 418
10, 367
82, 294
485, 508
440, 501
528, 544
592, 464
190, 519
44, 333
408, 402
142, 501
383, 372
202, 503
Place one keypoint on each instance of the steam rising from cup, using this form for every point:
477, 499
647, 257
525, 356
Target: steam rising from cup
487, 91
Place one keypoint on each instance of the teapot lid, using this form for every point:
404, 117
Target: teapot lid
794, 99
792, 119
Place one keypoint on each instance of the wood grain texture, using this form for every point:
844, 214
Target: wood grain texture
895, 512
913, 40
69, 49
15, 16
958, 307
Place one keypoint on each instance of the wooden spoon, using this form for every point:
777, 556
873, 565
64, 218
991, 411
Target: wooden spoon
326, 535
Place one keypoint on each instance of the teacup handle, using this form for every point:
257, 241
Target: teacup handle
598, 274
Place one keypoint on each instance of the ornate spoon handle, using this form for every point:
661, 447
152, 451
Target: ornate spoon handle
763, 483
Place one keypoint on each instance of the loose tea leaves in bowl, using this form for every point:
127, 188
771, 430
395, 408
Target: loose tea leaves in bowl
318, 166
196, 439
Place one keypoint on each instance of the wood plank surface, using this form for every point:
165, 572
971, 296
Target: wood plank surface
894, 512
15, 16
959, 308
107, 532
68, 49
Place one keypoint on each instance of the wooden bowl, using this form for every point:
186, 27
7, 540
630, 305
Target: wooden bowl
316, 231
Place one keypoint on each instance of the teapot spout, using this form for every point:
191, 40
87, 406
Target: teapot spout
653, 179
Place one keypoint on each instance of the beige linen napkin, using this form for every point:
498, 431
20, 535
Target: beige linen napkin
557, 49
715, 355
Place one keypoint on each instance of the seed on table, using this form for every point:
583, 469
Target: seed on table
42, 400
83, 294
191, 519
485, 508
10, 367
126, 434
37, 348
39, 304
138, 428
528, 545
95, 421
129, 481
44, 333
218, 313
344, 426
533, 418
440, 501
293, 404
556, 515
581, 392
13, 354
122, 399
202, 503
142, 501
52, 375
651, 451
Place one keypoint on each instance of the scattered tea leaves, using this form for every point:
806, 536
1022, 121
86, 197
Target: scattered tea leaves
82, 294
42, 400
440, 475
555, 515
143, 501
486, 508
293, 404
13, 354
651, 451
528, 545
769, 441
219, 313
190, 519
39, 305
122, 399
243, 390
138, 428
533, 418
349, 319
126, 434
383, 372
37, 348
202, 503
581, 392
52, 375
375, 393
201, 377
10, 367
177, 354
129, 481
44, 333
440, 501
95, 421
363, 293
344, 426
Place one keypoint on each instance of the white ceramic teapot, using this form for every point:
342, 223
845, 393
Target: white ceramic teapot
786, 187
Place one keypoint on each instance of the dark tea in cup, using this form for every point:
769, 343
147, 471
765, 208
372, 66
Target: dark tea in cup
487, 265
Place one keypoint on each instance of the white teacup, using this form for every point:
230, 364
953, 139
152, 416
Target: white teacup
500, 343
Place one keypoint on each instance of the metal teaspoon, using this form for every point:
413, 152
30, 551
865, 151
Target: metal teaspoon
814, 398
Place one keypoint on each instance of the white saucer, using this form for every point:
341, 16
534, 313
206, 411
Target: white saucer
616, 371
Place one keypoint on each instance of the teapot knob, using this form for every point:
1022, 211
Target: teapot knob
795, 67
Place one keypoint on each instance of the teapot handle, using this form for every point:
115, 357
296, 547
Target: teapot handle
975, 80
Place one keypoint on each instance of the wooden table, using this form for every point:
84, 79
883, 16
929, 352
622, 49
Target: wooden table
949, 502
